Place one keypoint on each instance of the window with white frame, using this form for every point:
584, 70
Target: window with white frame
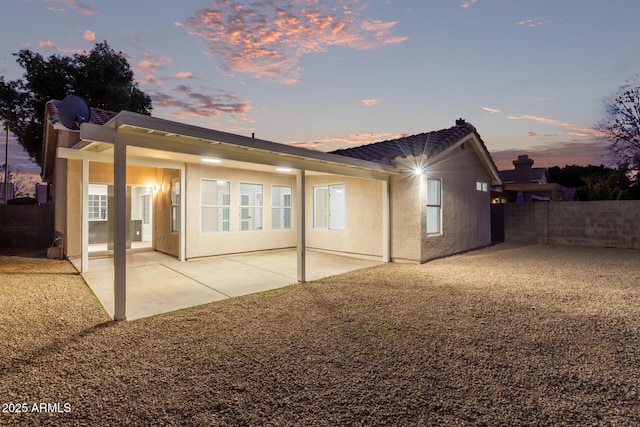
482, 186
215, 199
97, 202
250, 207
280, 207
329, 207
434, 206
175, 206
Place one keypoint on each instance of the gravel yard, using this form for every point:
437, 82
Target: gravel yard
508, 335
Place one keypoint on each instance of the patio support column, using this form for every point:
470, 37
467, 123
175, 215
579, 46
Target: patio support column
183, 214
386, 226
120, 228
300, 221
84, 250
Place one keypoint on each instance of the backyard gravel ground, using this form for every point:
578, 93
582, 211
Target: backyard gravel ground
508, 335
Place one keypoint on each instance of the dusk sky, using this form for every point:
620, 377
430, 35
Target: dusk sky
530, 75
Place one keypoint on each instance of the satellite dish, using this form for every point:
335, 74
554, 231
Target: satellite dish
73, 111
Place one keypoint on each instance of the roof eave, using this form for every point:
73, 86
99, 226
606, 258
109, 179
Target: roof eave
152, 126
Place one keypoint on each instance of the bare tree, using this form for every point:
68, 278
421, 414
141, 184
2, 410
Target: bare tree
24, 185
621, 126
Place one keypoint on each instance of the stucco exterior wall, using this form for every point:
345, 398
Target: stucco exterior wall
73, 201
59, 191
466, 211
164, 240
199, 244
362, 234
406, 217
102, 173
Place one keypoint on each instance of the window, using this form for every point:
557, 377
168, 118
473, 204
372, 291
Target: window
215, 199
329, 207
146, 209
175, 205
280, 207
482, 186
434, 206
97, 202
250, 207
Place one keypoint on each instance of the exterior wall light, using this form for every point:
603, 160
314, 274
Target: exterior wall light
207, 160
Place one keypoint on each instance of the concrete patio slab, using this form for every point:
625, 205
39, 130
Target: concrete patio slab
158, 283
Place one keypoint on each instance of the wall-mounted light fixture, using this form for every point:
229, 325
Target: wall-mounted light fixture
284, 169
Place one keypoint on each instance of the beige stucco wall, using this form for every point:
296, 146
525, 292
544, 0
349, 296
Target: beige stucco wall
199, 244
466, 216
102, 173
362, 234
406, 217
73, 220
59, 192
164, 240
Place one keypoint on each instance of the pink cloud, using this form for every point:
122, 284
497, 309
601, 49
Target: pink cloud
184, 75
575, 128
47, 45
73, 5
532, 133
370, 102
197, 103
150, 66
89, 36
491, 110
267, 38
533, 22
468, 3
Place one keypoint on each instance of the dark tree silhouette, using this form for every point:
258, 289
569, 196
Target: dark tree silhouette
621, 126
101, 76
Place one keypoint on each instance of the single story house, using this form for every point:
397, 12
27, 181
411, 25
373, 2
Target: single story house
125, 181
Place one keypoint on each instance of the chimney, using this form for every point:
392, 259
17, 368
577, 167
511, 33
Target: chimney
523, 169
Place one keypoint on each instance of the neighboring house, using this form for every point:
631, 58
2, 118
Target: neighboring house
527, 184
126, 181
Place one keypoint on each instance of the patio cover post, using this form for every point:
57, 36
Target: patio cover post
300, 220
183, 214
84, 262
386, 228
120, 228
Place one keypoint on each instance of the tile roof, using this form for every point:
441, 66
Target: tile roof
428, 143
98, 115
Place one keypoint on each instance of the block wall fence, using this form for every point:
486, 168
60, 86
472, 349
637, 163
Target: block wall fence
613, 224
26, 226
